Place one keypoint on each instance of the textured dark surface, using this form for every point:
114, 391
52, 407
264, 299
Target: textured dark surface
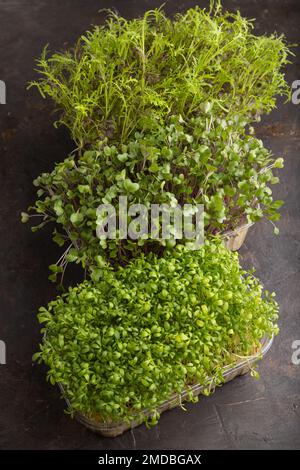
243, 414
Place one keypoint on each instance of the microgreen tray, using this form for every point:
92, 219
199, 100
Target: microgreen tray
113, 429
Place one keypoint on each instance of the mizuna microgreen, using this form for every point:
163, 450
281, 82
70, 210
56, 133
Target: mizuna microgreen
130, 75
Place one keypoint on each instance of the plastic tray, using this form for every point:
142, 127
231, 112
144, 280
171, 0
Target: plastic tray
233, 240
114, 429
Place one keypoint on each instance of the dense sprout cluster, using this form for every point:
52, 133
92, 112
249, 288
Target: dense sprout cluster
130, 75
205, 160
152, 329
162, 112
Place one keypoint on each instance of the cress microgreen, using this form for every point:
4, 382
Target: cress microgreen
137, 336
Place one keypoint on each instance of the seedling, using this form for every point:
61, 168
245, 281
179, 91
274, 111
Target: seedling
137, 336
130, 75
205, 160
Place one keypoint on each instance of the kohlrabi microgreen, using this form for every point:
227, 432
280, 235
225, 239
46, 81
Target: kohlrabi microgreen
204, 160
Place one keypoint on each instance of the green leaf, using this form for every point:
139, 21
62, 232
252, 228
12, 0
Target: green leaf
58, 207
24, 217
206, 107
84, 188
59, 239
130, 186
76, 218
279, 163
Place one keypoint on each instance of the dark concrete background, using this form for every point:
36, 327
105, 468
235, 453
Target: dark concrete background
243, 414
